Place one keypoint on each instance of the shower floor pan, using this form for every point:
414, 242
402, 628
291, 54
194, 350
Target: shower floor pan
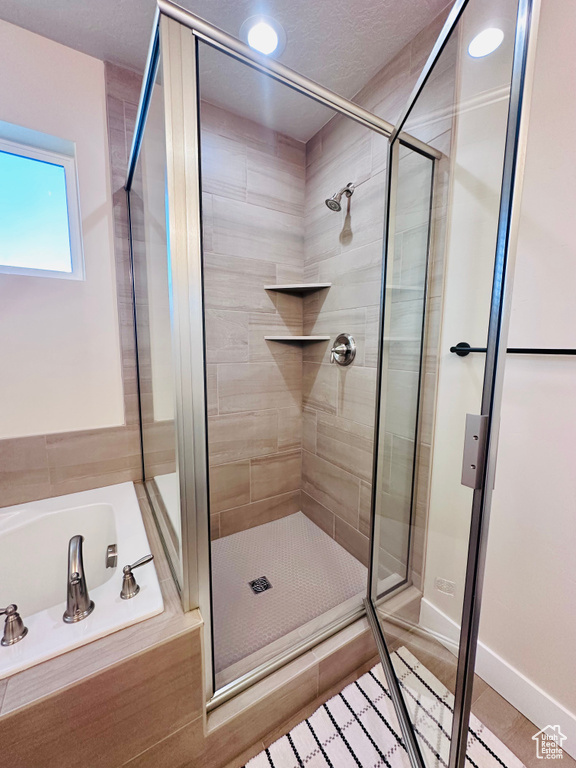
312, 579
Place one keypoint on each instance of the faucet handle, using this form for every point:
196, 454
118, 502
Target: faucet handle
14, 629
129, 586
138, 563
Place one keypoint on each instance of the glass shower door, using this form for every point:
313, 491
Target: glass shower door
451, 172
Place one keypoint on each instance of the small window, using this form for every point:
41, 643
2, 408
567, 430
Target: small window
40, 228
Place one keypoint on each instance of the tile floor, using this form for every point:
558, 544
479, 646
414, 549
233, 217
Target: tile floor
310, 573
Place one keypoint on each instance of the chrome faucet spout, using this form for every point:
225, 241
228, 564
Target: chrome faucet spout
78, 603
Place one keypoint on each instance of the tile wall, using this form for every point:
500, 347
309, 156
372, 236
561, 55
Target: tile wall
346, 249
287, 430
253, 185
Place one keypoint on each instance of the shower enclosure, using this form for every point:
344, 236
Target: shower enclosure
298, 285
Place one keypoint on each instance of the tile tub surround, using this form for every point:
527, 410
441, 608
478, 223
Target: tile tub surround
154, 670
40, 466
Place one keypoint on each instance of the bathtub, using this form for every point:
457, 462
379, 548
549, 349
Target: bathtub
34, 567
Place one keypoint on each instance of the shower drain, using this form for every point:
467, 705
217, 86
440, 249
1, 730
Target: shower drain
260, 585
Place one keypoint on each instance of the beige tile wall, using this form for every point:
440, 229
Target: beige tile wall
264, 222
49, 465
282, 420
253, 184
346, 249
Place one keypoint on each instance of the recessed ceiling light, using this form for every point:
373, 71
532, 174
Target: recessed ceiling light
485, 42
263, 38
264, 35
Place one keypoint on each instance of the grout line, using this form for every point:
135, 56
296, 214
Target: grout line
162, 741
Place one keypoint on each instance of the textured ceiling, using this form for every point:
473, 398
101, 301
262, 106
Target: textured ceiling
339, 43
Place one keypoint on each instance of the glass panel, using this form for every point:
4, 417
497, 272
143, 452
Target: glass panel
401, 362
462, 113
151, 256
34, 231
290, 435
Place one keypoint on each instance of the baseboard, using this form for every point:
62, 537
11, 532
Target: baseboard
528, 698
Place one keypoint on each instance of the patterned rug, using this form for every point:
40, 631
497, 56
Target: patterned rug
358, 727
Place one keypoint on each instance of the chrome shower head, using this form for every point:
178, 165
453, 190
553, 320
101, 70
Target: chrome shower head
334, 202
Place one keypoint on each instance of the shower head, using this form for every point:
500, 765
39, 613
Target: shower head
334, 202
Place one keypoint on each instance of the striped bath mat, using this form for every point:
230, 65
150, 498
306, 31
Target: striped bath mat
358, 727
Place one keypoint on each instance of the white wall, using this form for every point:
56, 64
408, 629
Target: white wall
529, 609
528, 627
59, 345
479, 133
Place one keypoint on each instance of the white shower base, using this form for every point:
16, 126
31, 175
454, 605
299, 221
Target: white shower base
311, 576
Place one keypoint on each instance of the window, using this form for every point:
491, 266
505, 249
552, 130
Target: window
40, 228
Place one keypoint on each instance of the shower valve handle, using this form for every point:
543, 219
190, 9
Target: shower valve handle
343, 351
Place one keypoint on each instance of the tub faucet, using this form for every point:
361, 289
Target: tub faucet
78, 603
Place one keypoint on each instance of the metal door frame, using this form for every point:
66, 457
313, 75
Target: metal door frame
179, 70
508, 222
172, 28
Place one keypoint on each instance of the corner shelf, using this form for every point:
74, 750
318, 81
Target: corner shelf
297, 339
298, 287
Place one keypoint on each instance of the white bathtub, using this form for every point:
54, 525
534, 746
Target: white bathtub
34, 563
